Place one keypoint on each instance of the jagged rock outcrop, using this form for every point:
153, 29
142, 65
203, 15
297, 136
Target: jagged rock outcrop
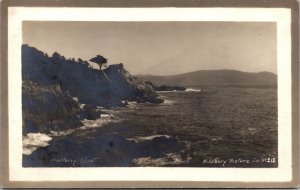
127, 87
165, 87
89, 111
50, 83
47, 108
106, 88
101, 149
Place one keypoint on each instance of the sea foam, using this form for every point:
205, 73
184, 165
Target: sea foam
171, 158
33, 141
147, 138
192, 90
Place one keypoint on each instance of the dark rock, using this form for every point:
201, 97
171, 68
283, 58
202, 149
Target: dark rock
125, 103
50, 83
169, 88
101, 149
89, 111
165, 87
47, 108
107, 88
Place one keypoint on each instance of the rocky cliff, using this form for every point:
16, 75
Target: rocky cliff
51, 83
47, 108
102, 88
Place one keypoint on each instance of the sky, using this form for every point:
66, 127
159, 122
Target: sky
161, 48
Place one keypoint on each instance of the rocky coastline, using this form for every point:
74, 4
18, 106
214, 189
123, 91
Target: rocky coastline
58, 93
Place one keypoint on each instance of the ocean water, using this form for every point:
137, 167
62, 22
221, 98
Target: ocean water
205, 127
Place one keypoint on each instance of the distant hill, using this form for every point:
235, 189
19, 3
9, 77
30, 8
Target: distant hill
214, 77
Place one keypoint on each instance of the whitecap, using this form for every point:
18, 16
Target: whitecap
167, 91
251, 128
193, 90
62, 133
33, 141
217, 138
147, 138
105, 119
87, 124
131, 104
81, 105
168, 102
168, 159
105, 116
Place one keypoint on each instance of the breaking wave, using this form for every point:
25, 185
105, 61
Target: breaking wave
193, 90
168, 102
147, 138
105, 119
168, 159
33, 141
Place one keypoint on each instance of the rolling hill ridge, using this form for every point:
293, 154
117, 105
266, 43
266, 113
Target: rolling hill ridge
214, 77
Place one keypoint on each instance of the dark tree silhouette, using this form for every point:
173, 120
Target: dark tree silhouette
100, 60
86, 64
56, 55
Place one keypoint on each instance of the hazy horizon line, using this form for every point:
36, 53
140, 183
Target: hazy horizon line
263, 71
145, 74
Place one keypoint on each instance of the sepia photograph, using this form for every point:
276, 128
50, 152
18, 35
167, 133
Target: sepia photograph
129, 94
153, 94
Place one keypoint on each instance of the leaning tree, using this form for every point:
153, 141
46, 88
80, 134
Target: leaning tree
100, 60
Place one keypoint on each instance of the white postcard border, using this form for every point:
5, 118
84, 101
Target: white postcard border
282, 16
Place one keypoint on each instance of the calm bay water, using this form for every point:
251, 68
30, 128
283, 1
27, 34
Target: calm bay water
216, 127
